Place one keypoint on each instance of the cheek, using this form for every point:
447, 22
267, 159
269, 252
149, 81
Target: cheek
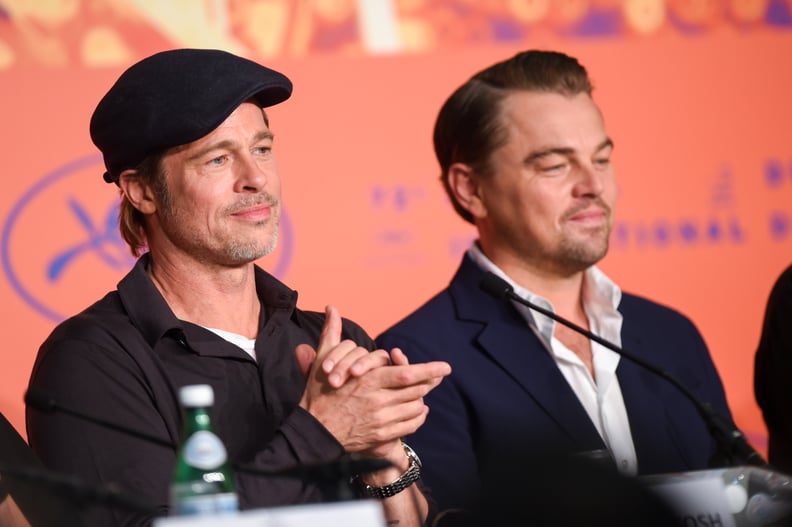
274, 181
611, 191
274, 187
535, 216
196, 209
269, 167
277, 212
546, 204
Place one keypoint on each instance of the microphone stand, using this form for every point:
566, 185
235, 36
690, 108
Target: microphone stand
332, 478
731, 442
81, 492
36, 398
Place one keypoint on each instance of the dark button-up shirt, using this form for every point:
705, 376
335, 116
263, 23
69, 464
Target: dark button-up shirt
123, 360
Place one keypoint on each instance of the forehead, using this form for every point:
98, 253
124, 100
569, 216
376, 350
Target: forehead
552, 118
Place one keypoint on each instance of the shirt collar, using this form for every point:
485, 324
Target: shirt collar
150, 313
601, 298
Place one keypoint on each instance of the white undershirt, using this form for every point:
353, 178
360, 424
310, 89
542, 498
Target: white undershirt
248, 345
602, 399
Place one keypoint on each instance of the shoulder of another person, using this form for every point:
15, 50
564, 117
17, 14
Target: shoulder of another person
781, 292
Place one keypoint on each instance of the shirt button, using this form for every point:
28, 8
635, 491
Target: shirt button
625, 463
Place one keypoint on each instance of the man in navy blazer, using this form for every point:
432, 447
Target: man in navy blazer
526, 159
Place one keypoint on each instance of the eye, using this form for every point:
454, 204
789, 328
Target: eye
602, 157
218, 161
262, 150
550, 163
602, 162
553, 169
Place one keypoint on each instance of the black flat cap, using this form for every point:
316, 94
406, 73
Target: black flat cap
176, 97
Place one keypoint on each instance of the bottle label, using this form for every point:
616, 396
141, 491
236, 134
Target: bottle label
226, 502
204, 450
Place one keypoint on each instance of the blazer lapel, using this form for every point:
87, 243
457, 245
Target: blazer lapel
654, 443
509, 342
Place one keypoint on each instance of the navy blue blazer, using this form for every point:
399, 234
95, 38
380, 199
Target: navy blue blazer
505, 389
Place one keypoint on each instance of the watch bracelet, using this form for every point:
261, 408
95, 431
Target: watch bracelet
409, 477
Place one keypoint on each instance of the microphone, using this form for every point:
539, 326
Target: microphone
319, 473
39, 400
729, 439
79, 491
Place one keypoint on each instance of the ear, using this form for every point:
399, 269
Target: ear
465, 186
139, 194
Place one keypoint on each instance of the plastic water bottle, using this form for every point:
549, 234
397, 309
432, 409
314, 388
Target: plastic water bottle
203, 482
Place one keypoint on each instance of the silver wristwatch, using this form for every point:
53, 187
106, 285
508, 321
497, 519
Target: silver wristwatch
409, 477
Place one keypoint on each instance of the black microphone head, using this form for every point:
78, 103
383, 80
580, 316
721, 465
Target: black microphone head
39, 400
496, 286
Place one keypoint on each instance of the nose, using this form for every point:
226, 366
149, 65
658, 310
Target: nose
590, 181
253, 174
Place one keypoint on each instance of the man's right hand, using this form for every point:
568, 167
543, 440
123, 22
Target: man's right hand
367, 400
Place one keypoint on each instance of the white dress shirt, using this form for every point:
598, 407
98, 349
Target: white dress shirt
602, 398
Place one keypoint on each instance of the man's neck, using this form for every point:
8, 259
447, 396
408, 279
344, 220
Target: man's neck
564, 293
217, 296
563, 290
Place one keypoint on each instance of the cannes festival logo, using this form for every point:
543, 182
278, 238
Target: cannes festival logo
61, 248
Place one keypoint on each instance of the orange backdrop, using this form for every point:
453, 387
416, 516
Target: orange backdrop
696, 95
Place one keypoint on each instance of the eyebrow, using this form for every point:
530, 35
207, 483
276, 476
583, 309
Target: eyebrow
226, 144
565, 151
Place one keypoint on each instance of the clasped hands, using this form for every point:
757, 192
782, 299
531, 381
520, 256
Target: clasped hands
367, 399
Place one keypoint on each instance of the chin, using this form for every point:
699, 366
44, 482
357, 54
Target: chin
582, 257
249, 252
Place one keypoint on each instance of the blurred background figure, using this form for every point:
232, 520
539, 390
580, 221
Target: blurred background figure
30, 495
773, 372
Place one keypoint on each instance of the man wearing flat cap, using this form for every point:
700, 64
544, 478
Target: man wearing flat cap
185, 137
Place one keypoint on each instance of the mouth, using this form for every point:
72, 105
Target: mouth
257, 213
254, 210
590, 216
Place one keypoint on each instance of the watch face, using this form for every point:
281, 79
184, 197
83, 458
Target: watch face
411, 454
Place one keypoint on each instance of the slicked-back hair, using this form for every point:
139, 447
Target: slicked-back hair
469, 127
